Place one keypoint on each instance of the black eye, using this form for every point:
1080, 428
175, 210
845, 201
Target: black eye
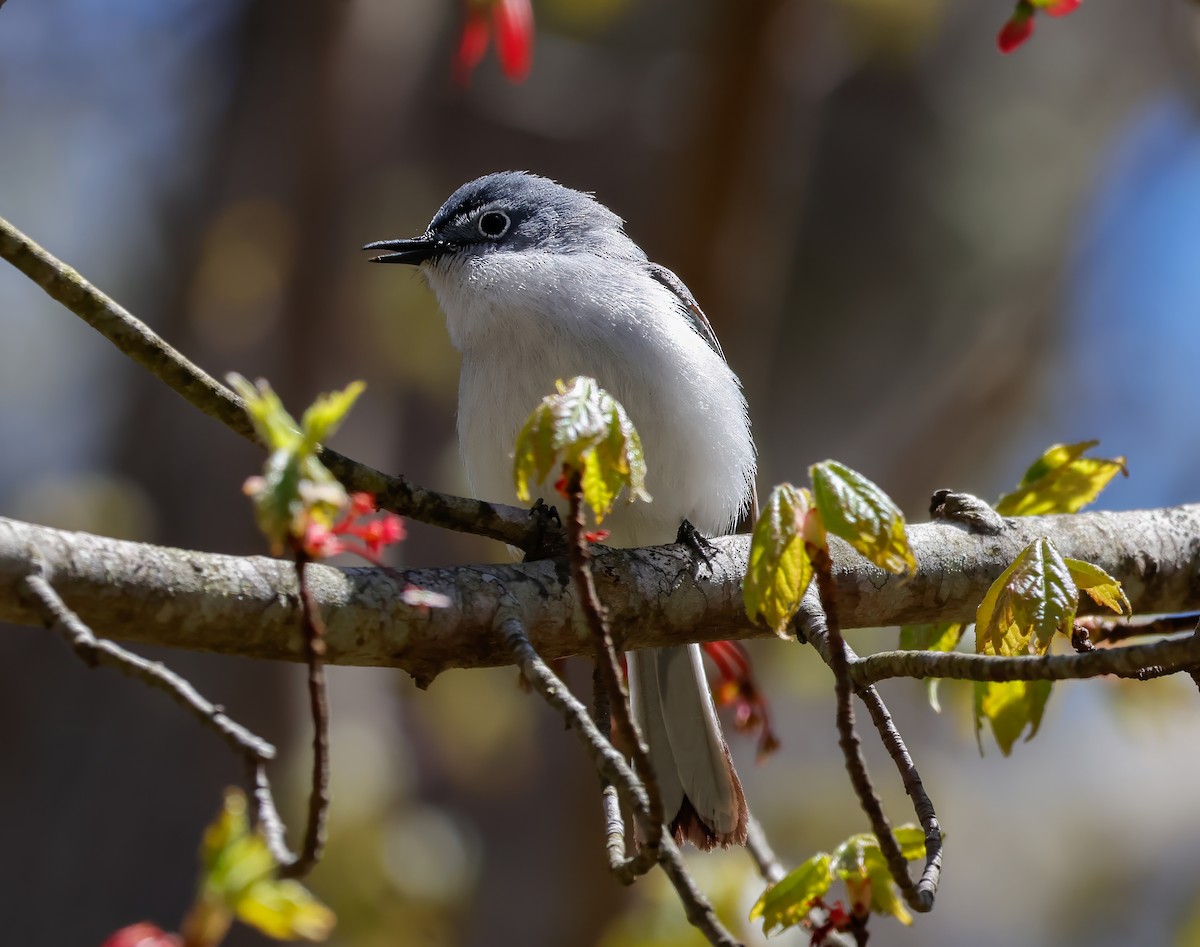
494, 224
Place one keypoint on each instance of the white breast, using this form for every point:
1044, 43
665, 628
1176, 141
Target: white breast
520, 330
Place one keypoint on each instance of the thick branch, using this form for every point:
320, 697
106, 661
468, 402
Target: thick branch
247, 605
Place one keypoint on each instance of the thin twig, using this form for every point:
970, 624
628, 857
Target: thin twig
612, 767
760, 850
1178, 654
149, 350
614, 822
608, 761
1111, 631
318, 702
579, 556
696, 906
926, 887
856, 764
94, 652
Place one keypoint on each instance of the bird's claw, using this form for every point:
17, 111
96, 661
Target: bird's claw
689, 536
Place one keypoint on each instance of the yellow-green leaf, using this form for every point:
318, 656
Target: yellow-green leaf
1062, 480
911, 839
885, 896
1102, 587
240, 877
584, 428
1010, 707
277, 429
855, 509
326, 414
1032, 599
286, 910
779, 569
943, 636
786, 903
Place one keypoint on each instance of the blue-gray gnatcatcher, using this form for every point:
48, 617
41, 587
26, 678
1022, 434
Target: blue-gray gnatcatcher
539, 282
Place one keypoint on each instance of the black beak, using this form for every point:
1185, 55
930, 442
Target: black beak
415, 250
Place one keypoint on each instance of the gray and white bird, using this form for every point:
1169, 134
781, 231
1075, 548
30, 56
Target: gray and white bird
540, 282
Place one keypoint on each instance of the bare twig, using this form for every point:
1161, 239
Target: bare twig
612, 767
764, 856
318, 795
579, 556
856, 764
140, 343
94, 651
926, 888
696, 906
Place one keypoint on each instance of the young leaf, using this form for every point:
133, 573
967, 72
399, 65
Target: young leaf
943, 636
326, 414
1062, 480
295, 488
855, 509
786, 902
1009, 708
239, 878
860, 863
584, 428
779, 569
1102, 587
1032, 599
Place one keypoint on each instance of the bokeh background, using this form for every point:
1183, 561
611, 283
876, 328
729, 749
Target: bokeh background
925, 259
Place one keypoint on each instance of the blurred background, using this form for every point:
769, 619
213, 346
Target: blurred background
924, 259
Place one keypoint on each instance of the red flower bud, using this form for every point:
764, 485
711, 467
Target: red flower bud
143, 934
1018, 29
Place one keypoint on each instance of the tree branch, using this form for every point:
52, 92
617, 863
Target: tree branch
247, 605
141, 344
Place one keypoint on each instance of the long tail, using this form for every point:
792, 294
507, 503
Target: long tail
701, 793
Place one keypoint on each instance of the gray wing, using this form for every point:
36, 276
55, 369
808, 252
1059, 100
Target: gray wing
690, 308
699, 322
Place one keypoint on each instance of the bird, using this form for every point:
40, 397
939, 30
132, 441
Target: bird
540, 282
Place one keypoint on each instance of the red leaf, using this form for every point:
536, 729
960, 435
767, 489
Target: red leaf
1015, 32
514, 37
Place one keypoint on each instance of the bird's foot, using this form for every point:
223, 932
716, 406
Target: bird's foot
689, 536
544, 546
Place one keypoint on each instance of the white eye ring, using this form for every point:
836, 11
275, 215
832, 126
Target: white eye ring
494, 224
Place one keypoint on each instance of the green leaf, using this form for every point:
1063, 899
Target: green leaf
240, 877
911, 839
943, 636
860, 863
1010, 707
326, 414
277, 429
1102, 587
885, 896
786, 903
855, 509
582, 427
1062, 480
1032, 599
779, 569
295, 488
